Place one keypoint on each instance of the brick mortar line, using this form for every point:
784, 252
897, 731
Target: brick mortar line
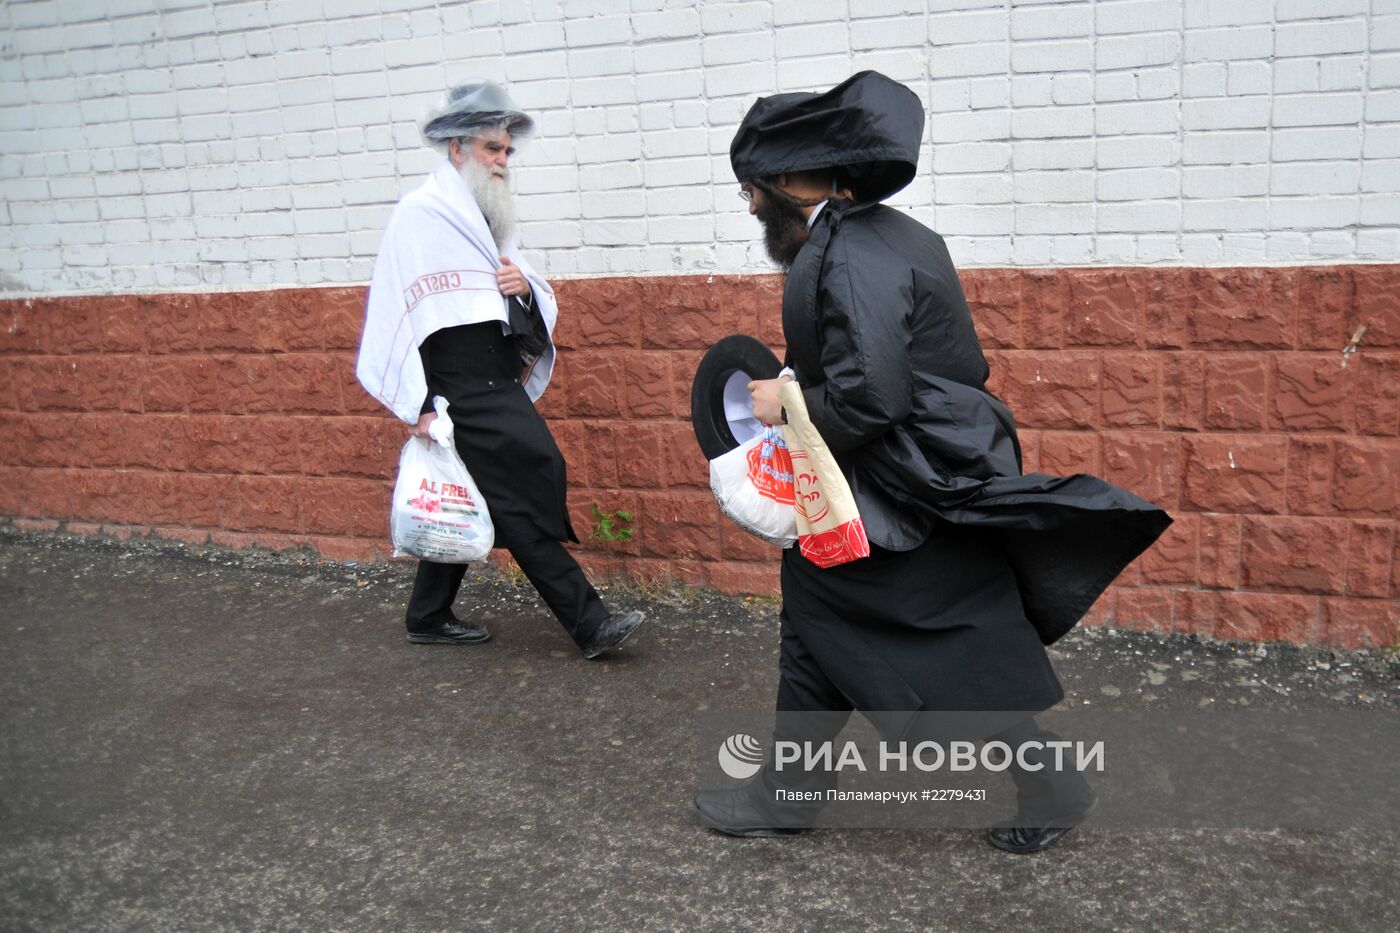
174, 354
196, 474
695, 490
607, 348
1106, 433
12, 298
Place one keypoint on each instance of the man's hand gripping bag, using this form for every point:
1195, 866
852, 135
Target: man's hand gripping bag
438, 513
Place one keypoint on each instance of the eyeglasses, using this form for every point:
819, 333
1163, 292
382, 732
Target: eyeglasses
773, 192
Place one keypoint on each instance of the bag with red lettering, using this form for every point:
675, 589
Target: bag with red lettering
830, 530
753, 485
438, 512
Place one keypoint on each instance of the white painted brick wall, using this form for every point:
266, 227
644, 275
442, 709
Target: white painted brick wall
227, 143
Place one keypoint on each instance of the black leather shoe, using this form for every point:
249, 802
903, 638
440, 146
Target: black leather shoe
449, 633
734, 813
612, 633
1023, 839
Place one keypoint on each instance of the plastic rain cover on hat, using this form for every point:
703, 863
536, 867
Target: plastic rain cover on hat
868, 125
473, 105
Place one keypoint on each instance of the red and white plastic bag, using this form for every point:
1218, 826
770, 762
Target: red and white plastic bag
438, 513
753, 485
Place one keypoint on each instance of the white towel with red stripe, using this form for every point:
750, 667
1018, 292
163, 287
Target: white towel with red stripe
437, 268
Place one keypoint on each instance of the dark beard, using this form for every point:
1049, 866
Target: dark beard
784, 230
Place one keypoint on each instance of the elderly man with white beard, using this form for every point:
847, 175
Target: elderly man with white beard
456, 311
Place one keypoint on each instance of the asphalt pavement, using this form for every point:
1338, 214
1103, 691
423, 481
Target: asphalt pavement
197, 739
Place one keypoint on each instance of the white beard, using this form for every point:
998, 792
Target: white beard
492, 192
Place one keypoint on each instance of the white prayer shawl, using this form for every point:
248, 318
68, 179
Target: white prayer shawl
437, 268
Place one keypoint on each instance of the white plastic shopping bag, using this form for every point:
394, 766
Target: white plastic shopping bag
753, 485
438, 512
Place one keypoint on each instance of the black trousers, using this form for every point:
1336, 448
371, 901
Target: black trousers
550, 568
519, 470
811, 708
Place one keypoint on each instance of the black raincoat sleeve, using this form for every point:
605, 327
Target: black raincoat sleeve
864, 322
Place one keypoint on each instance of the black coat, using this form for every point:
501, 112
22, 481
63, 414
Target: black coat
881, 339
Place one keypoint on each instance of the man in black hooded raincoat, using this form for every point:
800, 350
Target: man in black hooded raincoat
973, 567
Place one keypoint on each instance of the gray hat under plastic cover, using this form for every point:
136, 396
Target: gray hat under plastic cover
472, 106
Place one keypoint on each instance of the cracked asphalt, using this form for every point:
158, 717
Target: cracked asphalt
196, 739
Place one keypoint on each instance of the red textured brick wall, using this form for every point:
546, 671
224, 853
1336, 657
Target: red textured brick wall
1222, 394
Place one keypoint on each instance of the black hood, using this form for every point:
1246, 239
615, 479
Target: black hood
867, 124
